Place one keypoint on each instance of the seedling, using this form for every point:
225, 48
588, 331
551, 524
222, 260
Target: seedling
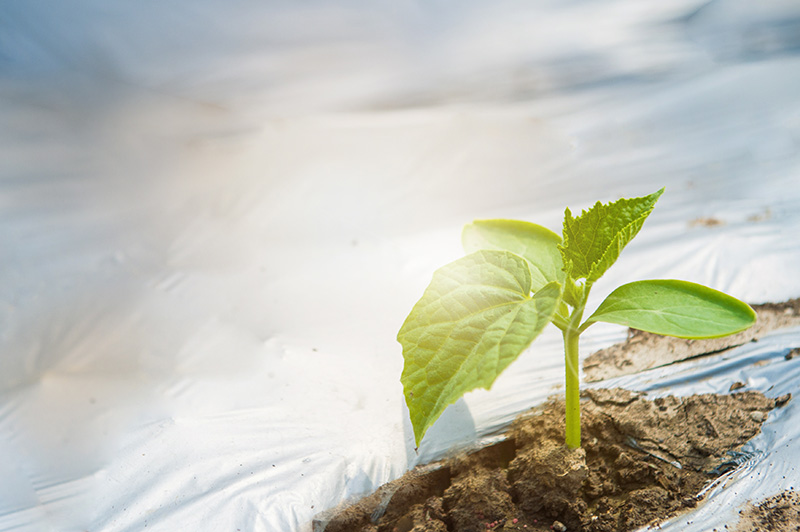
480, 312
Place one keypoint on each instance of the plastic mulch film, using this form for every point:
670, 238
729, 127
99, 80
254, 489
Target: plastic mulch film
216, 217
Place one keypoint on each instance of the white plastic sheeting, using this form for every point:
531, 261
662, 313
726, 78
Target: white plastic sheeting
215, 217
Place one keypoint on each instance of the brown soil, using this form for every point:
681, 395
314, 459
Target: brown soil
706, 222
643, 350
641, 462
779, 513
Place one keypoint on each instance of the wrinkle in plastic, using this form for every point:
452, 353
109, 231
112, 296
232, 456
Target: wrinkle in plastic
210, 243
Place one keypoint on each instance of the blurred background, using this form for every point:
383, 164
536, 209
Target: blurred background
215, 217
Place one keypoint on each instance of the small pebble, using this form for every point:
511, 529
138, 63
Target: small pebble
735, 386
757, 416
558, 526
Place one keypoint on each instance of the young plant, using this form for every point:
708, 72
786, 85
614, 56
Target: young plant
481, 311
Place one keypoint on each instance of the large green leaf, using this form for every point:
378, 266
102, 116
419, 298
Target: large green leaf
594, 240
675, 308
535, 243
472, 321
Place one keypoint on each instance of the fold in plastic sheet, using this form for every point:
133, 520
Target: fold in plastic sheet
215, 219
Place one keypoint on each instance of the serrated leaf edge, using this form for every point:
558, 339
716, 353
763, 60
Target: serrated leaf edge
617, 240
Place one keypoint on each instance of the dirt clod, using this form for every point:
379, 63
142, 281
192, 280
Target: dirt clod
641, 461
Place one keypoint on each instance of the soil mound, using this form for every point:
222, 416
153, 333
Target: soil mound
641, 461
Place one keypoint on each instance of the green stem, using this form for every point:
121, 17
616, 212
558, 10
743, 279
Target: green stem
560, 321
573, 415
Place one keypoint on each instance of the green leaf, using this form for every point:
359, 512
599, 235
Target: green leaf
675, 308
472, 321
535, 243
594, 240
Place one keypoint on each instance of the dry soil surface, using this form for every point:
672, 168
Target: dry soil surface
779, 513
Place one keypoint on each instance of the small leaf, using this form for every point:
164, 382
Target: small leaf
594, 240
535, 243
675, 308
472, 321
